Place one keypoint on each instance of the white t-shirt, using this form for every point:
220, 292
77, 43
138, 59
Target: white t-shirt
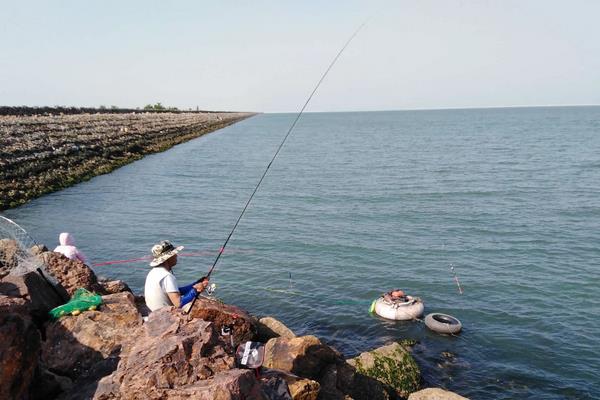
159, 282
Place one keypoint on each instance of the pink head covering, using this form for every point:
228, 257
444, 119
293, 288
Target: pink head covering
66, 239
68, 249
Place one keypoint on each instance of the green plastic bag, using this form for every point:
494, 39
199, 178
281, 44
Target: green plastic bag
82, 300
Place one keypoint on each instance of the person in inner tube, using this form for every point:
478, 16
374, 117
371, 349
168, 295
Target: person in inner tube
395, 295
161, 288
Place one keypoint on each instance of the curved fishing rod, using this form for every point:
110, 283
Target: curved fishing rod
281, 145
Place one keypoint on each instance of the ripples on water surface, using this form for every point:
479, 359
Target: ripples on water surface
357, 203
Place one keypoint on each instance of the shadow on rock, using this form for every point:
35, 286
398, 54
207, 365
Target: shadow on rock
87, 347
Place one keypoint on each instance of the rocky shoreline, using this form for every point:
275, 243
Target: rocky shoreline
115, 352
45, 150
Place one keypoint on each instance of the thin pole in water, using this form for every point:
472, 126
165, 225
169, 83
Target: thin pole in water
456, 279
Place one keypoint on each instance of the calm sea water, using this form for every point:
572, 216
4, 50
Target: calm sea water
358, 203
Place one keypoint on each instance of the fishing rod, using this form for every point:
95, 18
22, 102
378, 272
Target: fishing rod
292, 126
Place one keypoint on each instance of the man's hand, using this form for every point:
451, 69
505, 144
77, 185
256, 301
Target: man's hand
200, 286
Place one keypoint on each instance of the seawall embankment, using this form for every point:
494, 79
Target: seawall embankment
44, 150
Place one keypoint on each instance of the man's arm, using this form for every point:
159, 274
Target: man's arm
175, 298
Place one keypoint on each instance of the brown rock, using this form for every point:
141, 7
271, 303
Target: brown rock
299, 388
304, 389
269, 328
19, 349
435, 394
71, 274
116, 286
75, 345
8, 256
220, 314
170, 351
304, 356
236, 384
41, 295
38, 249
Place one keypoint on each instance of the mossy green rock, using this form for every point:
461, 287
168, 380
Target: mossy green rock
392, 365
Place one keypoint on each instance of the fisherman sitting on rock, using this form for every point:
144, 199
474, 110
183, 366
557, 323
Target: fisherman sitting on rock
161, 288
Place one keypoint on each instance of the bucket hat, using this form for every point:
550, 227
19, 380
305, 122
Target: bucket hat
162, 251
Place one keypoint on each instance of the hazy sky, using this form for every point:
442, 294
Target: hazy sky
268, 55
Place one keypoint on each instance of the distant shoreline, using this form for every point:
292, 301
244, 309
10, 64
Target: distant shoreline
46, 149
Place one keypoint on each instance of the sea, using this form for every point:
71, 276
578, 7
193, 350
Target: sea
504, 202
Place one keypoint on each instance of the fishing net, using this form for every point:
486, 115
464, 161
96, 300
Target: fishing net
16, 256
82, 300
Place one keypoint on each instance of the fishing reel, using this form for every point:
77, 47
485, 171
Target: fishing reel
210, 289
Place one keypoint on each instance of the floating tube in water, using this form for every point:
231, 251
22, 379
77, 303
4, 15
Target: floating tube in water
443, 323
398, 310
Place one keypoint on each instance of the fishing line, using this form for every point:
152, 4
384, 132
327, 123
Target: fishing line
222, 249
282, 143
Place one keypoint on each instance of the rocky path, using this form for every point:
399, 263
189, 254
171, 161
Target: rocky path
44, 153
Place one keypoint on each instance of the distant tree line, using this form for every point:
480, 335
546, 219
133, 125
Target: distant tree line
158, 107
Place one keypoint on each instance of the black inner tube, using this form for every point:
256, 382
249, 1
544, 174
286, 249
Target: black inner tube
444, 319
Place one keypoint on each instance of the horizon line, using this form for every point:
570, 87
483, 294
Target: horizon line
439, 108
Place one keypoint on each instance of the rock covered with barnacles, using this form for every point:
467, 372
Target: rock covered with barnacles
42, 151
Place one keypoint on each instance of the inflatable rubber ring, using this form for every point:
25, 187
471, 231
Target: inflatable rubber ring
443, 323
410, 309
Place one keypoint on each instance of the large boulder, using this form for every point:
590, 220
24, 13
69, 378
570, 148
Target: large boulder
171, 351
392, 365
269, 328
220, 314
304, 356
341, 381
19, 349
235, 384
40, 293
89, 344
71, 274
435, 394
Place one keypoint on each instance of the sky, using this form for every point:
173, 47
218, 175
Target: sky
267, 56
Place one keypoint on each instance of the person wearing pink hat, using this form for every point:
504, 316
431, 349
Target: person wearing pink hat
68, 249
